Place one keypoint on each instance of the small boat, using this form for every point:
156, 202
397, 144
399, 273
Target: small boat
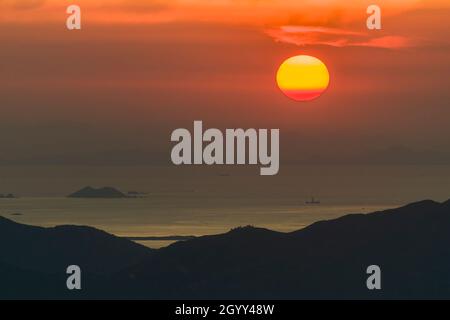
312, 201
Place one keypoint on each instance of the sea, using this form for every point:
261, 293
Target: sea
204, 200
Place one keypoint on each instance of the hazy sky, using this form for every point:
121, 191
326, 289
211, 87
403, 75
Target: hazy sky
114, 91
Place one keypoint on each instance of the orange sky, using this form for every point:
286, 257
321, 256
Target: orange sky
252, 12
336, 22
139, 69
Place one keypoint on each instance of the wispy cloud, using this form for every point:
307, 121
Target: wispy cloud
317, 35
388, 42
322, 30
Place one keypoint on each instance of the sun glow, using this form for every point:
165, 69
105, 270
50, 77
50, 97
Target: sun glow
303, 77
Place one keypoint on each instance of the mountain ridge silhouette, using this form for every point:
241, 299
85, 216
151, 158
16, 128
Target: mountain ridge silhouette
326, 260
48, 250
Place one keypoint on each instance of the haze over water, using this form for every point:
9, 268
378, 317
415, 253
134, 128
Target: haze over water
208, 200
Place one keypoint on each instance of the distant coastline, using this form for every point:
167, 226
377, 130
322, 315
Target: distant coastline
308, 263
160, 238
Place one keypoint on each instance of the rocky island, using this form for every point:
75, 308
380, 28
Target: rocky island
105, 192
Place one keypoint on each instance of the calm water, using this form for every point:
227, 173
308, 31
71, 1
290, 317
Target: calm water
208, 200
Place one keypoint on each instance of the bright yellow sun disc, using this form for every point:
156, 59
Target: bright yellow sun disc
303, 78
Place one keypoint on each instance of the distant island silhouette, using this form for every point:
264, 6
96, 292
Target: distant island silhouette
7, 196
105, 192
326, 260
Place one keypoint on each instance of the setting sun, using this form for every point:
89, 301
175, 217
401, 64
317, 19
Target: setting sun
303, 78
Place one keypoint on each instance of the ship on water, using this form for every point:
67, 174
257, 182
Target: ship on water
312, 201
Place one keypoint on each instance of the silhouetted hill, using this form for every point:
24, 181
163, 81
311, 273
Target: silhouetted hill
50, 250
105, 192
325, 260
